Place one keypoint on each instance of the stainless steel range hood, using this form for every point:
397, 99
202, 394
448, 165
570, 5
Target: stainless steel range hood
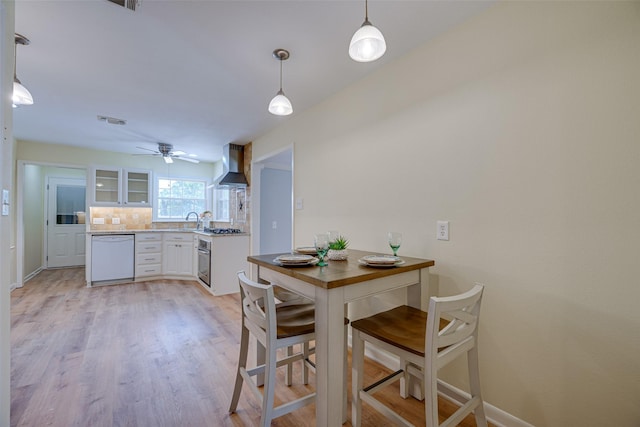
232, 167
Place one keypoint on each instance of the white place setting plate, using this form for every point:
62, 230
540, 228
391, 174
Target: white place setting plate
296, 260
307, 250
381, 261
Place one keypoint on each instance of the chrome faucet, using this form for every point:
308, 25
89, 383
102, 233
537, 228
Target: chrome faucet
197, 219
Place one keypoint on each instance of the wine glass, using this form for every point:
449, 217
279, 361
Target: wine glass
395, 239
321, 242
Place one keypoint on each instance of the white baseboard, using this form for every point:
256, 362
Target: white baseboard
13, 286
32, 275
494, 415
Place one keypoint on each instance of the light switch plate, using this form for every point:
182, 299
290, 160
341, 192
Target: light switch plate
442, 231
98, 221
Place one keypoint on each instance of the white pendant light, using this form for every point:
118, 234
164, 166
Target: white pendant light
367, 44
280, 104
21, 95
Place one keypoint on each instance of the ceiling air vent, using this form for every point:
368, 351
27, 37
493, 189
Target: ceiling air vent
129, 4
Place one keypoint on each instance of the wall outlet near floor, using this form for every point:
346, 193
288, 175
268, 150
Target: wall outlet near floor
442, 231
115, 221
299, 203
98, 220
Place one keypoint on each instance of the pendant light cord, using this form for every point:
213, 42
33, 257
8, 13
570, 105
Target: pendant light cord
366, 10
15, 59
280, 74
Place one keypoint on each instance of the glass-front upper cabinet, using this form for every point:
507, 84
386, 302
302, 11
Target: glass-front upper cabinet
137, 188
120, 187
107, 184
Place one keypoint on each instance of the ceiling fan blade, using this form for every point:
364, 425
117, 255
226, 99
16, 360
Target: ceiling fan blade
178, 153
148, 149
186, 159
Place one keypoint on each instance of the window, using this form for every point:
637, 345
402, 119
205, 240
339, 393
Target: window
177, 197
221, 202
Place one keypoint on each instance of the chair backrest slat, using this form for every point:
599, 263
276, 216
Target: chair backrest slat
258, 304
461, 311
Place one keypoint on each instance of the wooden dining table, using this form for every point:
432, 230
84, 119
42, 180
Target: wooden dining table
331, 288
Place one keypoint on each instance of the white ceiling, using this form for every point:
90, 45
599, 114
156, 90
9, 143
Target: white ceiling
197, 74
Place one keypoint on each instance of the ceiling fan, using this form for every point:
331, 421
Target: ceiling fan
167, 153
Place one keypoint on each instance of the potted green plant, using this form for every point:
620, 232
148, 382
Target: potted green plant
338, 249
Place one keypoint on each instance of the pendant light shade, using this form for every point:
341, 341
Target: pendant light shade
21, 95
280, 104
367, 44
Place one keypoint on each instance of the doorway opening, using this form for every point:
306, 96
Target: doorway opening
32, 206
273, 203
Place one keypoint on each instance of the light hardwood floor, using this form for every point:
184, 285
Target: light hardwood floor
158, 353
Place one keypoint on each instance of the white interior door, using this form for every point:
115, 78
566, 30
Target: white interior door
66, 229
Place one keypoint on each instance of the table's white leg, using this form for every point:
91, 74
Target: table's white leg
345, 343
418, 297
329, 361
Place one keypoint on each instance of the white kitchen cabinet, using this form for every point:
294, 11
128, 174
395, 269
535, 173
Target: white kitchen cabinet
177, 251
148, 254
120, 187
228, 256
137, 187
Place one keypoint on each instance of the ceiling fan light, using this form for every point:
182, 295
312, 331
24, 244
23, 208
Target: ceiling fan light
367, 44
21, 95
167, 159
280, 105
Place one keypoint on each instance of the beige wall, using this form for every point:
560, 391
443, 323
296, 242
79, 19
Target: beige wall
521, 128
33, 208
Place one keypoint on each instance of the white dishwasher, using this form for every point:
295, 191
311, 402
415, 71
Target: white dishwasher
112, 257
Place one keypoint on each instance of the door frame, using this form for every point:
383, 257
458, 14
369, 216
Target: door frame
20, 211
256, 166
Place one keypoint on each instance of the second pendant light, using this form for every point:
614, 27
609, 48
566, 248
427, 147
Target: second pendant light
280, 104
367, 44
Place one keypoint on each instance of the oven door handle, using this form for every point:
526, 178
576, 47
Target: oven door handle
203, 251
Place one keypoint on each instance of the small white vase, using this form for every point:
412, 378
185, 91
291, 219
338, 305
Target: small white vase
337, 254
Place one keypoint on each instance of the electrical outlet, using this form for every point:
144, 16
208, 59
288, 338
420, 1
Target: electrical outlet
115, 221
98, 221
442, 231
274, 224
299, 203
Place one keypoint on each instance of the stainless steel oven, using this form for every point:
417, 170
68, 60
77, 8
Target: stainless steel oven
204, 261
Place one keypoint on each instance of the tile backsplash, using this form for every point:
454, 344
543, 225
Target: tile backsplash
114, 219
120, 218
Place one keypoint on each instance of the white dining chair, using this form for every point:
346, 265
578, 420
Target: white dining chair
425, 342
274, 328
287, 298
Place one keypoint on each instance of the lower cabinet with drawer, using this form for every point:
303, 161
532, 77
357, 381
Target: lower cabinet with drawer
178, 250
148, 254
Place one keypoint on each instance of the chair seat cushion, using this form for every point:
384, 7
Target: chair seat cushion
297, 320
403, 327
